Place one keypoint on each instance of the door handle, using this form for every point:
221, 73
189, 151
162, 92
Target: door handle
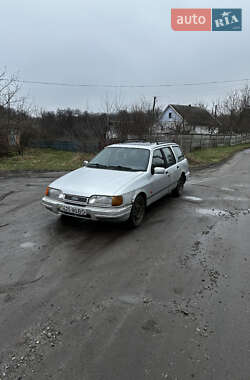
178, 167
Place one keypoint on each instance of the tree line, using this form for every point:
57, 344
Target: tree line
117, 122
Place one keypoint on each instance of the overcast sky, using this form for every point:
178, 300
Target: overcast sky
118, 42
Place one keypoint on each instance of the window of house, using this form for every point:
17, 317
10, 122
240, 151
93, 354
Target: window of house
158, 159
169, 156
178, 153
170, 115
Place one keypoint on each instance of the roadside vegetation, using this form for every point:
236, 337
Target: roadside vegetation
56, 160
43, 159
213, 155
22, 126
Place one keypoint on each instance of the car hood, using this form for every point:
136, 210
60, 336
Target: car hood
89, 181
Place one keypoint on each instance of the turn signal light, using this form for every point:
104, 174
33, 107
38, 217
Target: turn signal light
47, 191
117, 201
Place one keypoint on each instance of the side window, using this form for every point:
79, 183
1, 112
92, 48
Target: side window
169, 156
178, 153
158, 159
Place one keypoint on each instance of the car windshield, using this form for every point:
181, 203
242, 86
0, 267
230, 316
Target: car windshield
119, 158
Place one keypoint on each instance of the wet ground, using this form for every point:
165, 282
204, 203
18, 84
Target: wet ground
170, 300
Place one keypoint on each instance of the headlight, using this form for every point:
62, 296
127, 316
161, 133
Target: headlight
104, 201
53, 193
100, 200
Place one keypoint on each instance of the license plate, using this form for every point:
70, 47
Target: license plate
74, 210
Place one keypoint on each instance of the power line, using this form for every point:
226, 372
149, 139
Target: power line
64, 84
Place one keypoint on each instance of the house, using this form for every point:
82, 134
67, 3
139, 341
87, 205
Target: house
186, 119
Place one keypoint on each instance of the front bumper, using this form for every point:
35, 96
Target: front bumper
92, 213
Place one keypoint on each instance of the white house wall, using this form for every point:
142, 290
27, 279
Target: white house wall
204, 130
175, 117
169, 124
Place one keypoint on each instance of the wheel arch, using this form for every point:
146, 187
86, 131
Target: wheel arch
140, 192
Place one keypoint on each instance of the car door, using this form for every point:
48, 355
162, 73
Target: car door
172, 167
159, 183
181, 159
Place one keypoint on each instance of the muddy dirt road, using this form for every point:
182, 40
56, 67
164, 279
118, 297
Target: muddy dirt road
170, 300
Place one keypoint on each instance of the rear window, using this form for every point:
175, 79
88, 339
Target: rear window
178, 153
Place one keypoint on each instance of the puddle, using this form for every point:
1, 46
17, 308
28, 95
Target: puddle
239, 199
27, 244
198, 181
227, 189
212, 212
242, 185
130, 299
191, 199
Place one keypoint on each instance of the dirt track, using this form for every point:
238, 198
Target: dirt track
170, 300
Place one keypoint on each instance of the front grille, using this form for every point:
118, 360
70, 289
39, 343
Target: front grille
75, 199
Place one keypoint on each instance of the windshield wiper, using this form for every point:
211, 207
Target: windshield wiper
114, 167
99, 166
120, 167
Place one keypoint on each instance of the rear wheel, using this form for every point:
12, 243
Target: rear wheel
177, 192
137, 212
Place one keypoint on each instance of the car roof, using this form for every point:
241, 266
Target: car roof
143, 145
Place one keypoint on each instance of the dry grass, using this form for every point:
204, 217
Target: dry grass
213, 155
44, 159
55, 160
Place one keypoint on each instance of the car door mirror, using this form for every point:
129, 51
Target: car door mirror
85, 163
159, 170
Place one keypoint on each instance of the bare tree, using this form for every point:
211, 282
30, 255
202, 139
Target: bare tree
9, 87
202, 105
233, 111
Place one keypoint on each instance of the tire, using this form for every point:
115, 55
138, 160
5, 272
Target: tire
177, 192
137, 212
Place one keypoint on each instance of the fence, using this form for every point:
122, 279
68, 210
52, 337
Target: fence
191, 142
88, 147
188, 142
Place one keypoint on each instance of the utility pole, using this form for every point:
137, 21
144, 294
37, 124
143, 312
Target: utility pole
154, 102
153, 116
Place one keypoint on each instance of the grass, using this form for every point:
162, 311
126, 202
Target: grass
44, 159
56, 160
213, 155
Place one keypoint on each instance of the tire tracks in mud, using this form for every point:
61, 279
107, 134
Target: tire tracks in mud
5, 195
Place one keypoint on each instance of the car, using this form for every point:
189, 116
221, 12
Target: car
119, 182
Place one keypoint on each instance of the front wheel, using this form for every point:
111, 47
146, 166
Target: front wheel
137, 212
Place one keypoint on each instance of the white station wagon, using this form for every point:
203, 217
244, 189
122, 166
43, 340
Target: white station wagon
119, 182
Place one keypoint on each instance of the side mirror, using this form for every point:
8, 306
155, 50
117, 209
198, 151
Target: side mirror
159, 170
85, 163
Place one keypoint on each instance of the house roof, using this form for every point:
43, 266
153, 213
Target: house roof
194, 115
